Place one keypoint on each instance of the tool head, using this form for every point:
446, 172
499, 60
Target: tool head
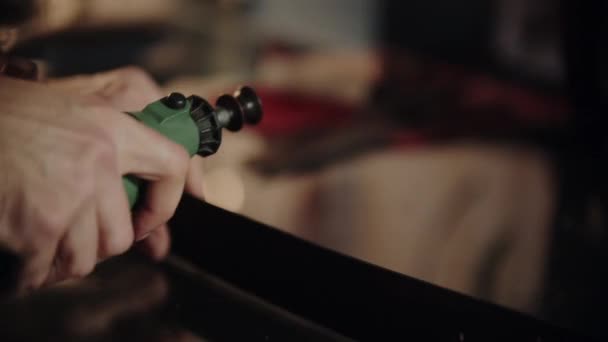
242, 107
251, 104
231, 112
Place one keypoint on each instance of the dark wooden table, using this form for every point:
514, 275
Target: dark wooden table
231, 279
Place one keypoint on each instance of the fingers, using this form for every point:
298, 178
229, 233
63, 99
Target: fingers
157, 244
147, 154
101, 223
113, 214
77, 252
142, 152
162, 198
37, 268
74, 158
194, 180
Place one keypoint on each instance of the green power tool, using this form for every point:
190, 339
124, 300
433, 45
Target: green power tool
193, 123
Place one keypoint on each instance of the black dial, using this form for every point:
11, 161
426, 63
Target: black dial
175, 101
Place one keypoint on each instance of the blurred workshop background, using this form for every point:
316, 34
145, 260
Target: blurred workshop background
440, 139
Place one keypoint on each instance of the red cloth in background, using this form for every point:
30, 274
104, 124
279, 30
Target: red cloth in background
288, 114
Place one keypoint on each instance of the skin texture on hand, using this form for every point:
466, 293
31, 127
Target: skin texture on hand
64, 147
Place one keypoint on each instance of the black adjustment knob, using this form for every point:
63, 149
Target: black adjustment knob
175, 101
209, 130
229, 113
251, 105
244, 107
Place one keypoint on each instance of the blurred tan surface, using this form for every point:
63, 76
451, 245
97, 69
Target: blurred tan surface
60, 15
346, 75
472, 217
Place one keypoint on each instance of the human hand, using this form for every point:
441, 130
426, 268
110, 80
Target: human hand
131, 89
63, 153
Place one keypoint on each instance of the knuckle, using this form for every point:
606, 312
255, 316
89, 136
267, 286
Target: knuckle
105, 154
52, 224
81, 269
107, 120
99, 152
80, 195
65, 263
179, 160
30, 284
50, 217
36, 283
100, 143
133, 72
160, 213
116, 244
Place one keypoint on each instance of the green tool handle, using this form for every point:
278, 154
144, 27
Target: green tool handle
195, 124
133, 187
175, 124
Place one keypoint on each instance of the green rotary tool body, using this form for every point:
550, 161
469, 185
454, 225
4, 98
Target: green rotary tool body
196, 125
